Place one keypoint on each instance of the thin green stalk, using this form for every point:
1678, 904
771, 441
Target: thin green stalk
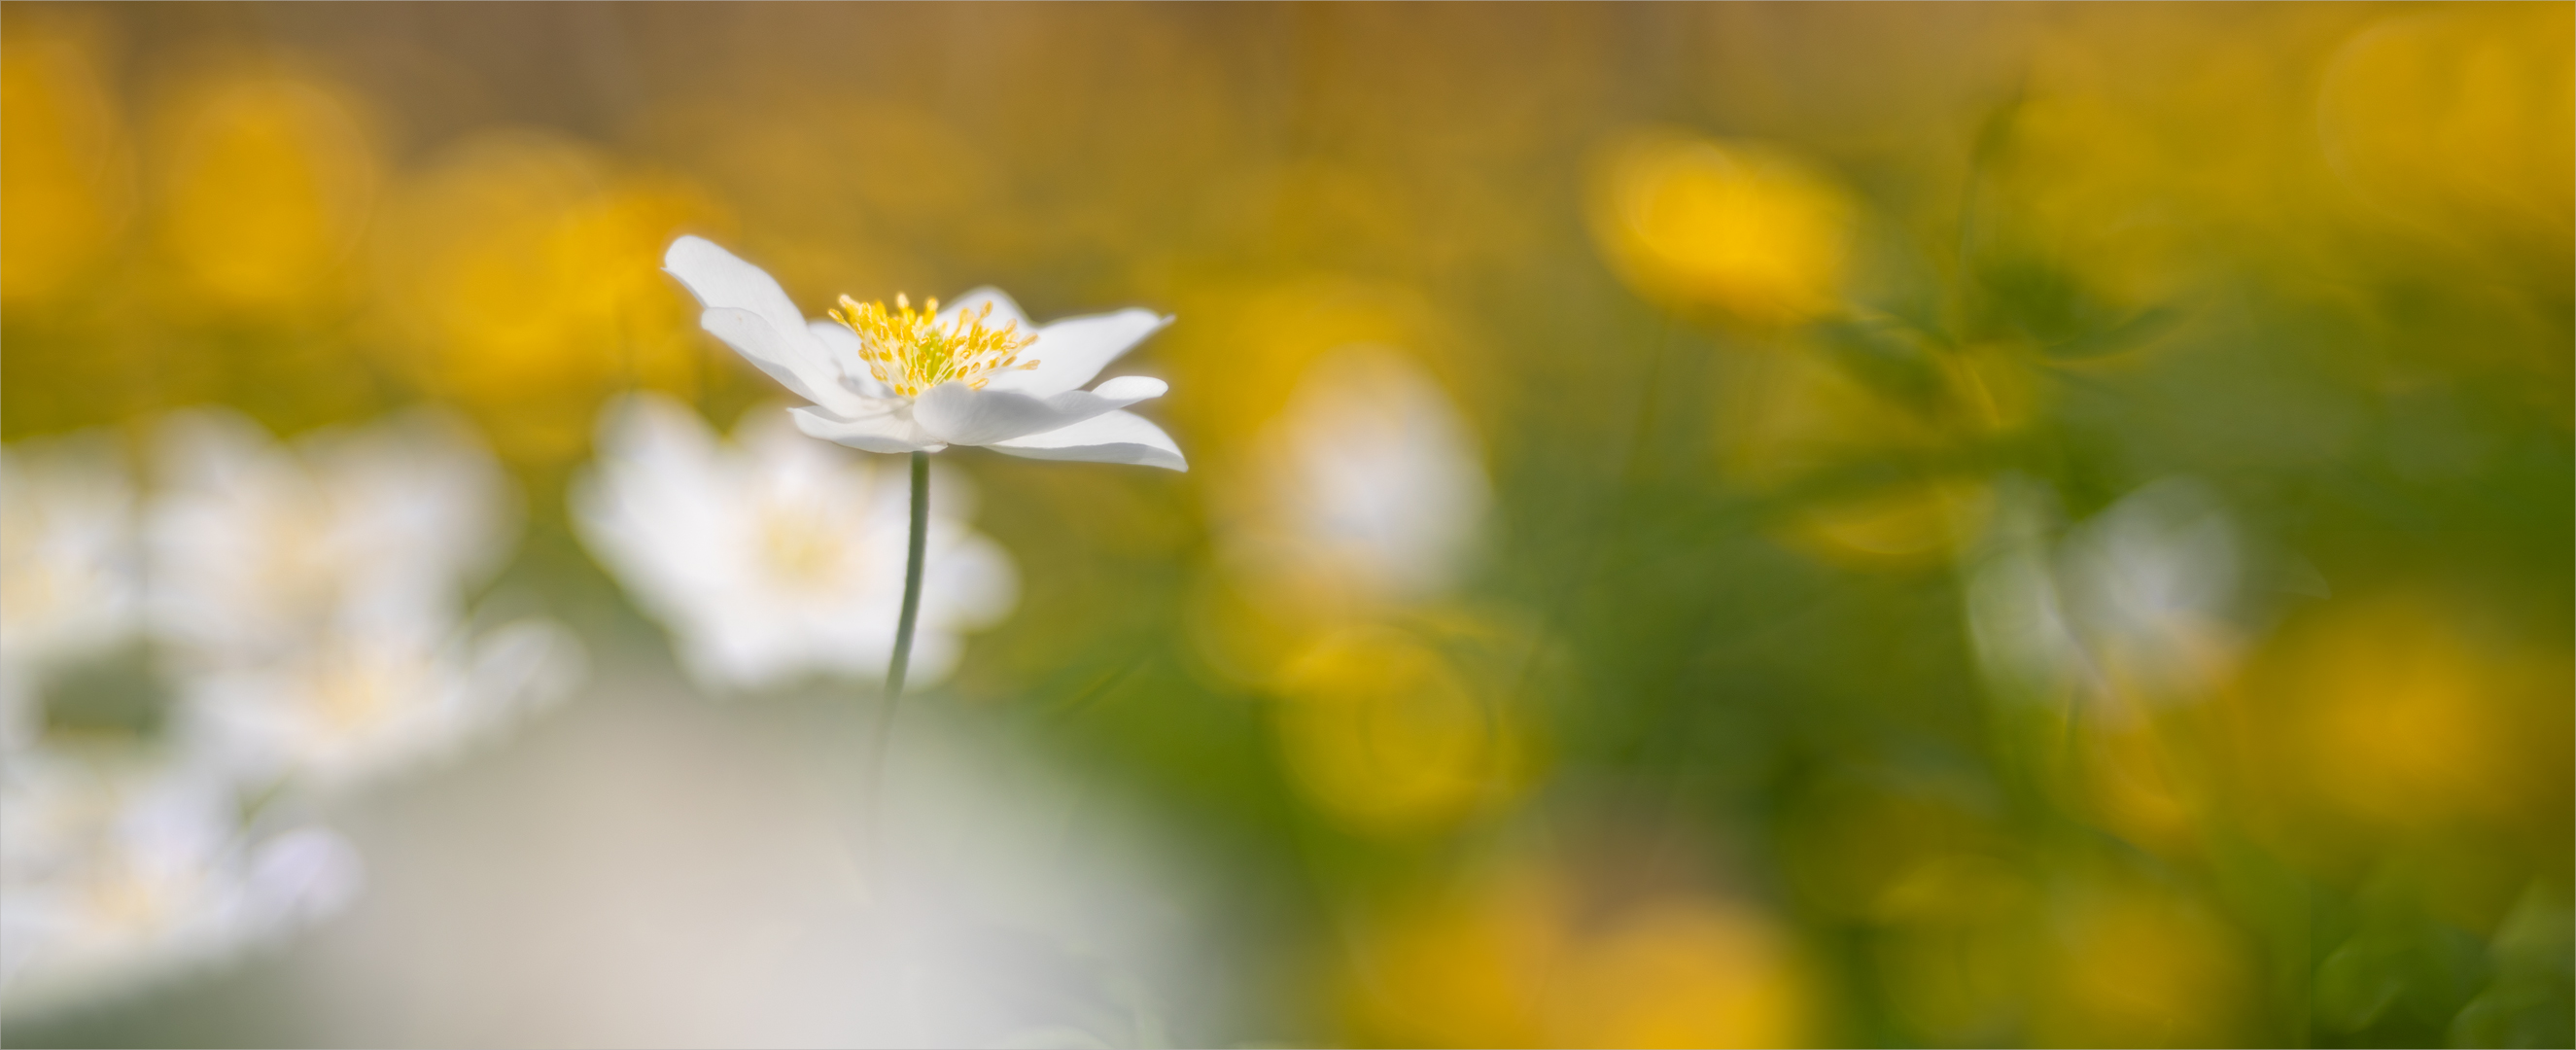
911, 579
902, 660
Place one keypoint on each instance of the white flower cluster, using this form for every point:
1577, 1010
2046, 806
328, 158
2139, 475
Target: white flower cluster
187, 667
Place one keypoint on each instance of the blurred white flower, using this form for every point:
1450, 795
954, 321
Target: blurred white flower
904, 381
70, 573
769, 555
114, 876
312, 598
2140, 601
257, 548
1369, 484
346, 708
2015, 616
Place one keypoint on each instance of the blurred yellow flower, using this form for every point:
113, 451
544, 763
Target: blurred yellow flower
1389, 734
1684, 972
2141, 967
520, 277
1534, 956
66, 178
1747, 228
2397, 718
265, 182
1468, 966
2457, 118
2144, 146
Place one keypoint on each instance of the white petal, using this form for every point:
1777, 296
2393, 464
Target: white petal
1127, 390
962, 415
1070, 352
796, 362
722, 281
1112, 437
747, 309
874, 432
843, 346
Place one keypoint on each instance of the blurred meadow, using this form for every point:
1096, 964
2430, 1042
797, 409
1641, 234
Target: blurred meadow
1707, 525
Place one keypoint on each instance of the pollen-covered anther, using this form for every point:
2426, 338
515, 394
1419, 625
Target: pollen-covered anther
911, 351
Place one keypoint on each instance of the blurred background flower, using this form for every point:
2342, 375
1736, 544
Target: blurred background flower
71, 571
269, 181
1369, 489
119, 877
70, 167
1745, 228
1708, 525
1602, 950
774, 555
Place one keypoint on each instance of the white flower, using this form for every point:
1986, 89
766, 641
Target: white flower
257, 548
1370, 484
70, 573
903, 381
312, 598
772, 555
112, 876
345, 708
2141, 601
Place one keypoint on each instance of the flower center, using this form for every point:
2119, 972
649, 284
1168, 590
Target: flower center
802, 546
351, 695
912, 352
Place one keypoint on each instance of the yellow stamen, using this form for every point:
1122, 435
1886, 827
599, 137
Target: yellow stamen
912, 352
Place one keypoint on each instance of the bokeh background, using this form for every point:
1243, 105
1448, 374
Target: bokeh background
1708, 525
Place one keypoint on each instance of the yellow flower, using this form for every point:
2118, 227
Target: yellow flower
266, 182
1744, 227
2456, 119
1545, 955
1684, 972
1391, 734
1468, 966
2398, 719
520, 279
66, 178
2136, 967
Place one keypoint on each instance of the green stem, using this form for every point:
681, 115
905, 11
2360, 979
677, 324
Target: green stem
901, 662
911, 579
